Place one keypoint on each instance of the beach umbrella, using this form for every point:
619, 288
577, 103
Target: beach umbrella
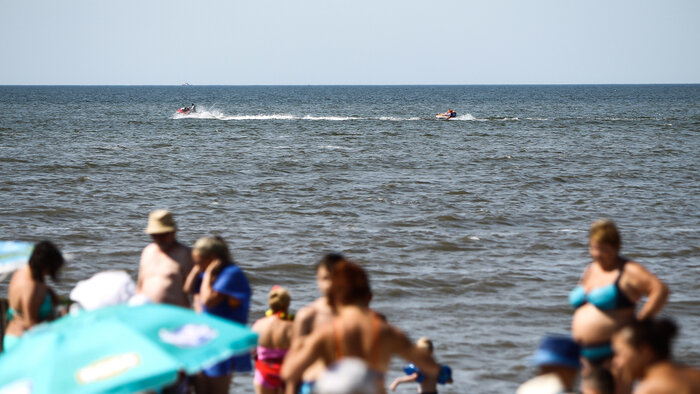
13, 255
119, 349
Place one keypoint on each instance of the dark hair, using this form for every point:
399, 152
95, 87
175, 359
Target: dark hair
45, 257
329, 261
349, 285
657, 334
602, 380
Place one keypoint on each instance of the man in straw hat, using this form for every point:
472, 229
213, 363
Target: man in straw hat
165, 263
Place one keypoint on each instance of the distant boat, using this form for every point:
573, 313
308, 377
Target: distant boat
186, 84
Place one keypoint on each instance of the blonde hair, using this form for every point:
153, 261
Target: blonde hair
213, 246
605, 231
425, 343
279, 299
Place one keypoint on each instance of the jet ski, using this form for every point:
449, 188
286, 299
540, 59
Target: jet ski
187, 110
446, 115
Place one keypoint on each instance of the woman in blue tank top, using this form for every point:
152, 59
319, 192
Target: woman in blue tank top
606, 297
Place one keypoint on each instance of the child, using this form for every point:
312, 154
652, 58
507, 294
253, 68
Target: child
428, 385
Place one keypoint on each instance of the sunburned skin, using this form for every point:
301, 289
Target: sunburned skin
315, 315
592, 326
162, 272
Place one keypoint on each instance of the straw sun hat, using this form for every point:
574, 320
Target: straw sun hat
160, 221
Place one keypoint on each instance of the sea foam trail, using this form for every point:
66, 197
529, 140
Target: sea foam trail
212, 113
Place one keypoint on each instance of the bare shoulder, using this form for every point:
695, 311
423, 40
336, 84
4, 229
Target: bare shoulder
303, 321
634, 268
586, 272
149, 250
258, 325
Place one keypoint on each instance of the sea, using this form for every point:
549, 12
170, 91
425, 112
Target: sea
473, 230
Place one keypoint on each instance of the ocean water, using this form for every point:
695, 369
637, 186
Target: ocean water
473, 230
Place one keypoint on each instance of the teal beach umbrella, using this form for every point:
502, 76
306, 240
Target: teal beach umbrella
13, 255
119, 349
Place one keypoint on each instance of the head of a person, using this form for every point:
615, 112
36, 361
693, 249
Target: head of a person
161, 227
559, 355
604, 241
349, 286
45, 259
598, 381
641, 344
279, 299
425, 343
323, 271
208, 249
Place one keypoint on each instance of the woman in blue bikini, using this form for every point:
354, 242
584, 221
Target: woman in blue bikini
31, 300
606, 297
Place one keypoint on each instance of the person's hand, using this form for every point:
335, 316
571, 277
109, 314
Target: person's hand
214, 266
196, 269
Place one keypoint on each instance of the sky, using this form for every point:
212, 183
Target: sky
329, 42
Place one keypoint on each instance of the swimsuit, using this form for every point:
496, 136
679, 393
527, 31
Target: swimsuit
45, 312
596, 354
605, 298
267, 367
307, 388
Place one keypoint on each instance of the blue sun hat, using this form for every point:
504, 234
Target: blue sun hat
557, 350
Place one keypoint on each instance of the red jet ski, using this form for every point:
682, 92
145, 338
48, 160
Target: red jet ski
187, 110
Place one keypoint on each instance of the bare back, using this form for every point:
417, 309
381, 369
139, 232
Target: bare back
274, 333
162, 275
665, 377
25, 296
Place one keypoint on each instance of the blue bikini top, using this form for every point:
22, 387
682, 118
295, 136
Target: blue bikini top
605, 298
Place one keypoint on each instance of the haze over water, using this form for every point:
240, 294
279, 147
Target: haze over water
473, 230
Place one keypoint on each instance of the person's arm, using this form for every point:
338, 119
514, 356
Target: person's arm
139, 276
646, 283
302, 323
403, 379
207, 295
192, 279
408, 351
299, 358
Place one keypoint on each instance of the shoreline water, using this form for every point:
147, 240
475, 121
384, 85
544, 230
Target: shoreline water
473, 232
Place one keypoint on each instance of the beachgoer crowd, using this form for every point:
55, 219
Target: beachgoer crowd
339, 344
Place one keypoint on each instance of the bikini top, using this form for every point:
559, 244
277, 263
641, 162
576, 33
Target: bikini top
45, 310
270, 354
374, 355
605, 298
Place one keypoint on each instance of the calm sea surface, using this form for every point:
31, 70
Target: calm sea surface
473, 230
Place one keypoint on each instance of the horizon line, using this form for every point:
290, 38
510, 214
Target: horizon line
349, 85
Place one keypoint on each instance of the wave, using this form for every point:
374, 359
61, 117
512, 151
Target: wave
215, 114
